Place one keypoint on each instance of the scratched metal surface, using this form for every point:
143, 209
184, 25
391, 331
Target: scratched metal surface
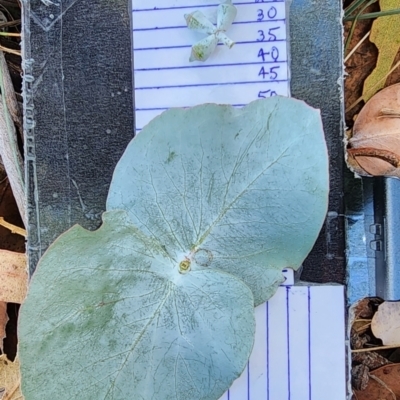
316, 77
78, 111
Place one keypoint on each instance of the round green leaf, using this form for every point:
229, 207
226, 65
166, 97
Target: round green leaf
239, 190
111, 314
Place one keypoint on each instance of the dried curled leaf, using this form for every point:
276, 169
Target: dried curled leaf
389, 374
375, 390
374, 148
10, 379
13, 276
386, 323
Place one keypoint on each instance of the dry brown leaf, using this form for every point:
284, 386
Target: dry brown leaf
375, 391
385, 323
3, 323
10, 379
384, 35
365, 308
374, 148
13, 276
390, 374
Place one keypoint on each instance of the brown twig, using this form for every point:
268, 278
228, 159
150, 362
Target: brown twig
362, 328
11, 51
362, 320
13, 228
364, 350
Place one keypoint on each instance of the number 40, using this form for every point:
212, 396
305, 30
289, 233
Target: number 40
274, 53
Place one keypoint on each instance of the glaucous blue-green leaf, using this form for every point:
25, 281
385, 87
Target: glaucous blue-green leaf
243, 191
112, 314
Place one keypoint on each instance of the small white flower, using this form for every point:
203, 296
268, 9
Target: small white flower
226, 13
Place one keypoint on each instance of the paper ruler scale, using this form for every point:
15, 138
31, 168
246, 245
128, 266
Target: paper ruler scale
255, 67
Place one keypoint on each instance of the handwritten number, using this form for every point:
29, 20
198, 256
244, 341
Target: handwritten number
262, 54
267, 93
272, 36
272, 12
274, 53
272, 74
261, 38
262, 72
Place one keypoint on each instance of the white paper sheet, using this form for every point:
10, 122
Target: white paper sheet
299, 351
255, 67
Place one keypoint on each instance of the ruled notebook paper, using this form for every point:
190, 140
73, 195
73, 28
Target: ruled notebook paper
299, 348
255, 67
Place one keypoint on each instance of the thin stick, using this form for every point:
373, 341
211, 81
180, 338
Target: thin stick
11, 51
365, 350
362, 328
356, 46
363, 320
373, 87
10, 34
10, 23
13, 228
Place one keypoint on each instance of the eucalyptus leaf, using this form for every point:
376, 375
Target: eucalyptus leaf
110, 315
205, 209
243, 191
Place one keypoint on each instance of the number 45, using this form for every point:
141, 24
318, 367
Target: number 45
272, 74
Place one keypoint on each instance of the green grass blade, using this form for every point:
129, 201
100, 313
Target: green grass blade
352, 7
353, 26
374, 15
